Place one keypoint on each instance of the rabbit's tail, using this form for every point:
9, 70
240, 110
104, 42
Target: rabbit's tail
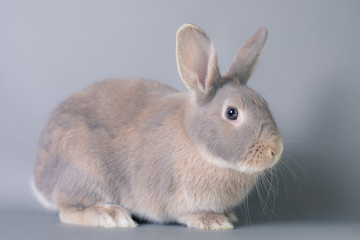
41, 198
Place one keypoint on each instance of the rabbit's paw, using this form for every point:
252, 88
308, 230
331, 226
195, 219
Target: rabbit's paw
104, 215
207, 221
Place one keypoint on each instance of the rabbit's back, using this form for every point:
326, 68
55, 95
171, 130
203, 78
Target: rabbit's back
91, 129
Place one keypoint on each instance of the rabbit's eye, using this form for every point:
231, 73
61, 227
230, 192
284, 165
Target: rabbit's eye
231, 113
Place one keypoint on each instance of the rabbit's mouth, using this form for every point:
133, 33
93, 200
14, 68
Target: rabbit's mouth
262, 155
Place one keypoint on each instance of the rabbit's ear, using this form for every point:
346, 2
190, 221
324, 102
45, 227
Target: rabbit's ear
196, 60
247, 57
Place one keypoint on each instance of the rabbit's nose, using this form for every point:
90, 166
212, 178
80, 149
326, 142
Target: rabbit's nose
274, 153
271, 153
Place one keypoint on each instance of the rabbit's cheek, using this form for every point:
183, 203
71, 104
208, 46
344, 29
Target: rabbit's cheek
215, 160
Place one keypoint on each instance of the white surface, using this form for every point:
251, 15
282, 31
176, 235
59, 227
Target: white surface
41, 225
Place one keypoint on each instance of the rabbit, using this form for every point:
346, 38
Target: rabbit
129, 147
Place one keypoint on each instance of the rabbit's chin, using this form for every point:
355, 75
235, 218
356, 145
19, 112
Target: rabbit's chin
240, 167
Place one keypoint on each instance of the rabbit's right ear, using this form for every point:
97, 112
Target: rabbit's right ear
248, 56
196, 60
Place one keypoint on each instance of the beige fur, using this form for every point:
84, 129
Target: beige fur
125, 147
103, 215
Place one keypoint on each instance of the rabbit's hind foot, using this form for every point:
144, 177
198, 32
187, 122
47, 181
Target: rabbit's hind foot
101, 215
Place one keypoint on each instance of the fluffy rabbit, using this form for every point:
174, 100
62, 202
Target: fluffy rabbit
125, 147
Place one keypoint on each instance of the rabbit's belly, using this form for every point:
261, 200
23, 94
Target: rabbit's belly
149, 211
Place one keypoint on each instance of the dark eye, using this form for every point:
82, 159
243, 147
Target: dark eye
231, 113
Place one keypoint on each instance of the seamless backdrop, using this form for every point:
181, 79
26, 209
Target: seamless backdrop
309, 74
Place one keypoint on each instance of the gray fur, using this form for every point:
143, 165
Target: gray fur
247, 57
134, 146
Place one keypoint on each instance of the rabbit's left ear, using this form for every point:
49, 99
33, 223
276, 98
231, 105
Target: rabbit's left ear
247, 57
196, 60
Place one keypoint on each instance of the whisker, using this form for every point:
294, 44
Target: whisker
270, 188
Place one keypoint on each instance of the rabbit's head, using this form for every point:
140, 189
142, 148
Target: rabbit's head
230, 123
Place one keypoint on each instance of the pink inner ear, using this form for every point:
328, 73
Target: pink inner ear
200, 61
202, 76
195, 51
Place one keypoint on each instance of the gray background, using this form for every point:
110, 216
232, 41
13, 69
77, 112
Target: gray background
309, 74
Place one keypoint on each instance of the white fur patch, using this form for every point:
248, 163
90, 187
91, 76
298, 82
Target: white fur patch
217, 161
40, 197
222, 163
105, 221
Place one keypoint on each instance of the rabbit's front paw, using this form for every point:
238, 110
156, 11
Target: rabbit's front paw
207, 221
